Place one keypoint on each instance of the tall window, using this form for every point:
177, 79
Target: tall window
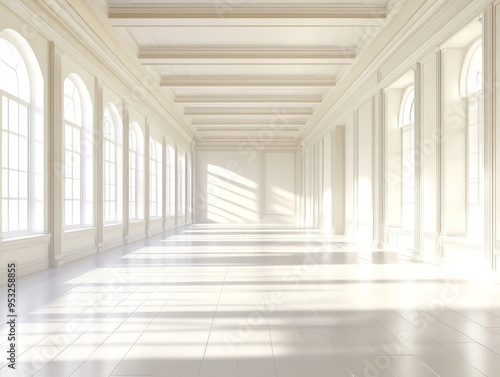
112, 165
189, 184
171, 180
21, 137
155, 178
182, 183
77, 155
407, 119
136, 172
475, 154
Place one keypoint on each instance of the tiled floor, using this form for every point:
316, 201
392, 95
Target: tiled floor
255, 302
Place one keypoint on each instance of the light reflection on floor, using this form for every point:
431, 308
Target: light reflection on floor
255, 301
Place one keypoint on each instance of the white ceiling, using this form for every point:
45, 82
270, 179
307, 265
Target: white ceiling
235, 67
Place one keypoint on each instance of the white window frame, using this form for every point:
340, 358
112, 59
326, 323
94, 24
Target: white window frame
473, 97
155, 179
170, 180
83, 126
136, 173
112, 162
26, 91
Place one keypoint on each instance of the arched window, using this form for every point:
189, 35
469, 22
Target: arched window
22, 137
112, 165
155, 178
473, 69
474, 83
171, 180
136, 172
182, 183
407, 119
78, 186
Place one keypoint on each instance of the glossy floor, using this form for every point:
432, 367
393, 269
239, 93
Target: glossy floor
237, 301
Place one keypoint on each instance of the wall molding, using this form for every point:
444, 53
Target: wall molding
113, 70
359, 91
13, 244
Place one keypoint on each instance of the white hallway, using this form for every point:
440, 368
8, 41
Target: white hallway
255, 301
241, 188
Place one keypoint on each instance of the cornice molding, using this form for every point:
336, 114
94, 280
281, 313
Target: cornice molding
246, 10
344, 105
52, 19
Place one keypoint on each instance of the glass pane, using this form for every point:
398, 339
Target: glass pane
76, 140
68, 189
13, 215
23, 215
23, 154
5, 183
76, 165
68, 212
76, 212
23, 185
473, 193
76, 189
13, 151
112, 153
473, 166
5, 216
5, 150
13, 116
23, 120
13, 184
5, 113
473, 138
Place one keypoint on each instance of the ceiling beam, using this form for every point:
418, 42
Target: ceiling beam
244, 128
228, 81
248, 100
283, 135
331, 55
247, 122
255, 111
223, 10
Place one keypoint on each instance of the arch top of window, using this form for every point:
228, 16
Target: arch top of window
20, 71
112, 123
472, 71
14, 72
407, 112
77, 102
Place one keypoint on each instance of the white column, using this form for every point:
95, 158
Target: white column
355, 148
418, 161
193, 180
56, 96
490, 76
378, 169
98, 163
164, 182
338, 180
430, 145
453, 159
176, 149
146, 176
126, 162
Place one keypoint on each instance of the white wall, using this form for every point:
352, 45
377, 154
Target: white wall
60, 53
233, 188
369, 110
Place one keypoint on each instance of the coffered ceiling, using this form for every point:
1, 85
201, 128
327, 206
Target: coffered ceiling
239, 68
